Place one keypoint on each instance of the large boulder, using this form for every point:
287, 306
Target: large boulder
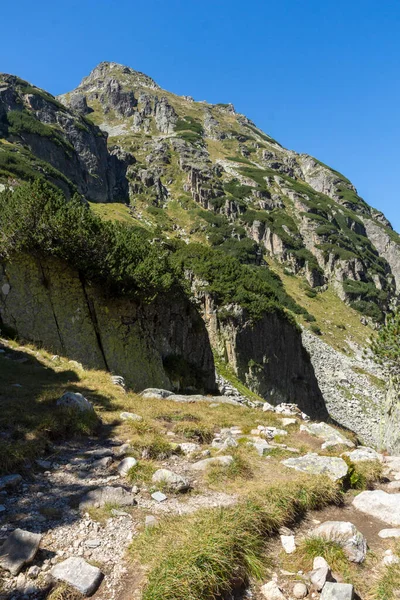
346, 535
379, 504
202, 465
363, 453
335, 468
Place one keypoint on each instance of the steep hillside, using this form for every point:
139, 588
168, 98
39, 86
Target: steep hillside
204, 172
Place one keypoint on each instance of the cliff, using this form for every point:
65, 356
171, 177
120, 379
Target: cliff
46, 302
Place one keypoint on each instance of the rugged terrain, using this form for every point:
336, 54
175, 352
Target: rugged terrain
152, 242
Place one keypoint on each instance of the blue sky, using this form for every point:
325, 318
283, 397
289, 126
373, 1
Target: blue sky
322, 77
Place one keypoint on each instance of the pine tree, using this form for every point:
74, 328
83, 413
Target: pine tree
386, 346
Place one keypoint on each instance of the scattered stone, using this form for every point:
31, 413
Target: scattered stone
102, 463
288, 421
189, 448
128, 416
43, 464
33, 572
9, 481
99, 452
122, 450
379, 504
389, 533
319, 563
19, 549
76, 401
107, 495
390, 558
363, 453
118, 380
324, 431
94, 543
300, 590
319, 576
159, 497
337, 591
150, 521
271, 591
171, 480
202, 465
156, 393
268, 407
332, 466
288, 544
261, 447
79, 574
126, 464
346, 535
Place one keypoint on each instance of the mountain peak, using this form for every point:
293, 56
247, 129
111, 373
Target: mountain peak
125, 75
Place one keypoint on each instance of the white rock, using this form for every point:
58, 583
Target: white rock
76, 401
288, 421
319, 576
189, 448
126, 464
288, 544
128, 416
389, 533
363, 453
346, 535
320, 563
324, 431
379, 504
271, 591
159, 497
300, 590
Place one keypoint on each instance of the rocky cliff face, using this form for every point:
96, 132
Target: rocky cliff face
268, 356
46, 302
39, 135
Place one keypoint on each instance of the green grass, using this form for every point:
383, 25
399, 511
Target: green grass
198, 557
388, 585
142, 472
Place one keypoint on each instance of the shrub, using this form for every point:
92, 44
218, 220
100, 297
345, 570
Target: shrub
315, 329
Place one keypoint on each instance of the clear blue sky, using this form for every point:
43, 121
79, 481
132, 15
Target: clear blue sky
321, 76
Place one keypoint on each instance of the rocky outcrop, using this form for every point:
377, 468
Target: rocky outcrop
385, 242
46, 302
72, 145
268, 355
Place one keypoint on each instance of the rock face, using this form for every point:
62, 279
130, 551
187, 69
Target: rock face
268, 356
335, 468
112, 334
74, 147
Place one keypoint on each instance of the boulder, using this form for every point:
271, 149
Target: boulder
346, 535
379, 504
76, 401
19, 549
363, 453
324, 431
202, 465
261, 447
126, 464
337, 591
171, 480
107, 495
158, 393
335, 468
75, 571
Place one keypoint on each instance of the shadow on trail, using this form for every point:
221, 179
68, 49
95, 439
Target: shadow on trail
32, 429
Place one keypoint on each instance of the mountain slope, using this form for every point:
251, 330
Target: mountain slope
193, 157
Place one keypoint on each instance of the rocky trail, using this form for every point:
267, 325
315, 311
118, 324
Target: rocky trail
68, 519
